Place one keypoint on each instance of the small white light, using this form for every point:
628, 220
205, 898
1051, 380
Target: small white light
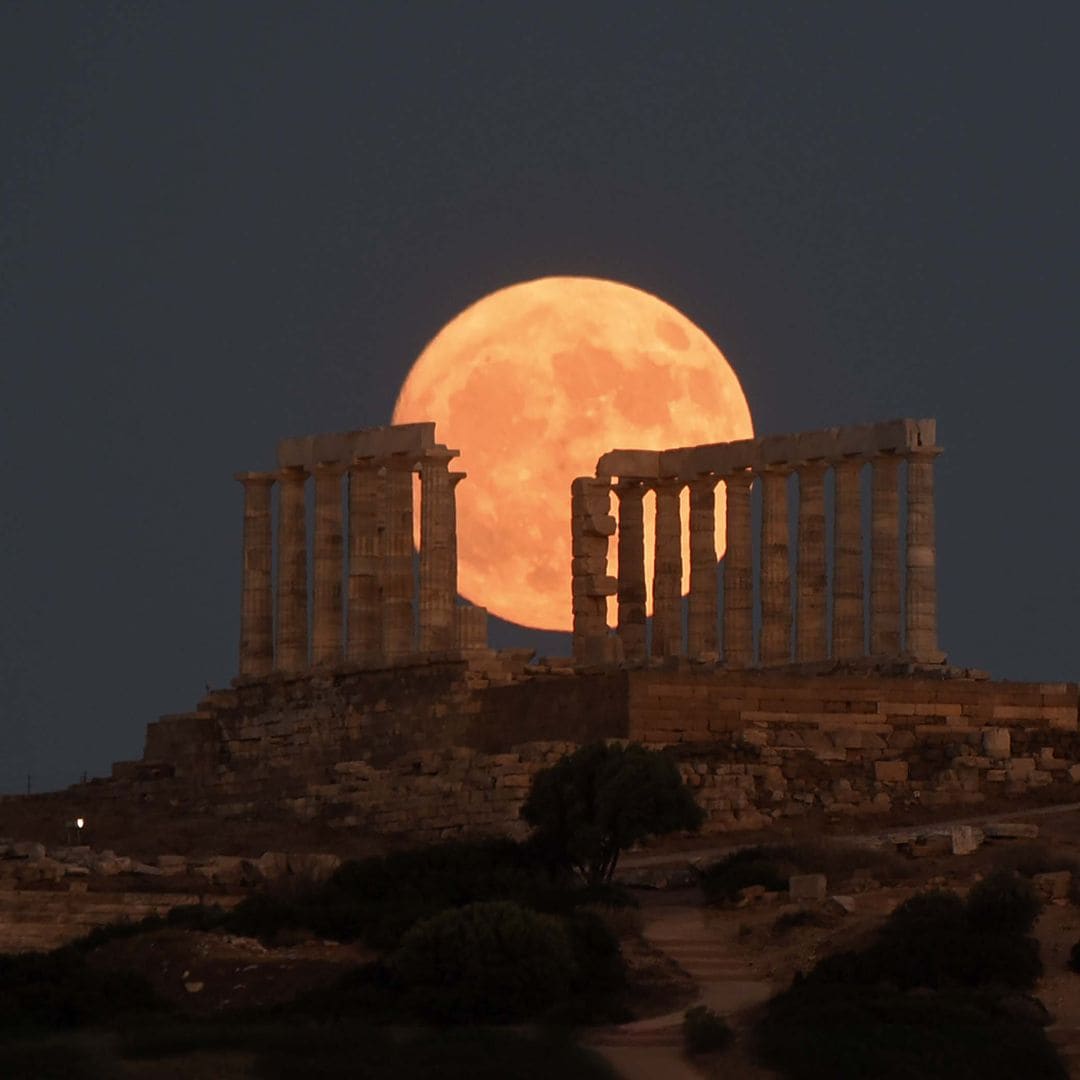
79, 822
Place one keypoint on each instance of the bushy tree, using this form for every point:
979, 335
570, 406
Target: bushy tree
594, 803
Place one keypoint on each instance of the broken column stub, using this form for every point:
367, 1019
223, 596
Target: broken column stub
591, 527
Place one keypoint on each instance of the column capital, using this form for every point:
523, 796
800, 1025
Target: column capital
293, 474
741, 479
256, 478
921, 452
457, 477
703, 482
630, 488
812, 467
328, 468
438, 455
783, 469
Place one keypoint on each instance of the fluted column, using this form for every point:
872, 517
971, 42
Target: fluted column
811, 585
366, 541
775, 569
291, 654
631, 553
667, 571
437, 582
848, 639
257, 602
738, 573
921, 642
397, 594
885, 557
701, 620
329, 566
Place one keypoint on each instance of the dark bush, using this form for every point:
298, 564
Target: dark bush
1003, 904
1074, 958
832, 1031
493, 961
704, 1031
60, 990
596, 802
722, 881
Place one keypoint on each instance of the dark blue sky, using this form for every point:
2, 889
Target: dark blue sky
227, 223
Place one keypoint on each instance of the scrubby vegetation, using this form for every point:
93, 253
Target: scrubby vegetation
704, 1031
770, 866
939, 993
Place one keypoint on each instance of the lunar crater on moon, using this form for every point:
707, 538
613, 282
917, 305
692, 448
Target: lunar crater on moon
532, 384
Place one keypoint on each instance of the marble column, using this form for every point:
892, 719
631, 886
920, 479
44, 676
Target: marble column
437, 582
811, 584
848, 638
701, 642
291, 653
398, 586
667, 571
631, 554
257, 603
366, 542
329, 566
921, 642
775, 568
591, 526
885, 557
738, 573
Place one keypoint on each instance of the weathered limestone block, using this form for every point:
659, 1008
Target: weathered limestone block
808, 887
997, 743
891, 772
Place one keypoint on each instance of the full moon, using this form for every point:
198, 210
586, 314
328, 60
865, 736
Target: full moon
532, 384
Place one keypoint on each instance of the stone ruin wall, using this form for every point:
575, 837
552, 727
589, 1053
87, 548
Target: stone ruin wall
395, 719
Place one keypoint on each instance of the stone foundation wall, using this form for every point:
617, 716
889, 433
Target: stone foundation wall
758, 747
450, 749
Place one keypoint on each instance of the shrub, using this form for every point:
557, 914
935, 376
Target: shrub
722, 881
818, 1031
1074, 958
493, 961
60, 990
1003, 904
594, 803
704, 1031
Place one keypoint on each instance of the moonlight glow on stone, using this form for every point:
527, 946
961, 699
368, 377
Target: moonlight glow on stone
532, 384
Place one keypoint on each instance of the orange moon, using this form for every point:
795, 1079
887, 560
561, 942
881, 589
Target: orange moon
532, 384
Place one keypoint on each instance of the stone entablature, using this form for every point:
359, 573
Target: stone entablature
794, 623
365, 607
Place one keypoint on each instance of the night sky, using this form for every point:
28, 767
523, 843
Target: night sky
225, 223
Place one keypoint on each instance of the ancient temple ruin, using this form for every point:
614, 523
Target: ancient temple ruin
366, 608
794, 623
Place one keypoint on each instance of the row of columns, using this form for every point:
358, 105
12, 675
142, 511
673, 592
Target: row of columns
370, 615
801, 634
